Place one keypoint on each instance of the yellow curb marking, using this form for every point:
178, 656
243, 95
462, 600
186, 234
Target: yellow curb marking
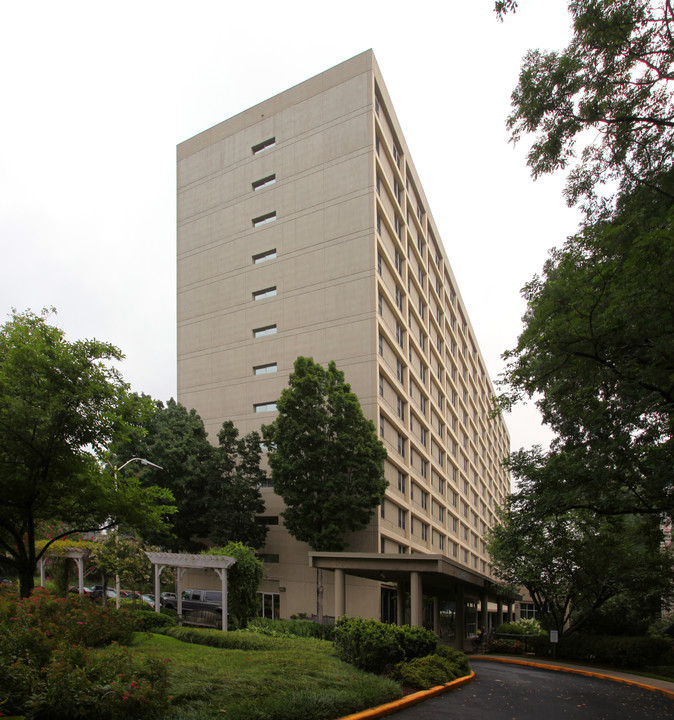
578, 671
408, 700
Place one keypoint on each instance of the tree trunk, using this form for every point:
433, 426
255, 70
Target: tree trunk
26, 582
319, 595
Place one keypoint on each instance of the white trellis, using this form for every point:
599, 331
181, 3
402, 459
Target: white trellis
79, 555
183, 562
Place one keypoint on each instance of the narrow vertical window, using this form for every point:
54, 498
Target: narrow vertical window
264, 182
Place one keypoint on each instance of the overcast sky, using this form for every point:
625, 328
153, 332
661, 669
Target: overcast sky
96, 96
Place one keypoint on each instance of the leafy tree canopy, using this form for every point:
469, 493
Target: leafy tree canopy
326, 460
573, 564
597, 354
216, 488
61, 403
609, 91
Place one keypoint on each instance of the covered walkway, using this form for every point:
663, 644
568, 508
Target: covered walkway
435, 576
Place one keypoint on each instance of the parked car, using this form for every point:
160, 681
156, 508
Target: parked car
97, 593
148, 599
166, 596
197, 600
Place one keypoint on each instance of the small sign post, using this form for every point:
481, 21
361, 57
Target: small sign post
554, 639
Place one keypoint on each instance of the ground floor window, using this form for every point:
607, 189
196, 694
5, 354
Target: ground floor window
270, 605
389, 605
527, 610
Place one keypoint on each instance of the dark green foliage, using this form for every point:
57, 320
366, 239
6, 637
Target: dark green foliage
216, 488
610, 89
60, 405
506, 646
376, 646
48, 668
326, 459
149, 620
243, 580
635, 653
458, 658
227, 640
426, 672
291, 628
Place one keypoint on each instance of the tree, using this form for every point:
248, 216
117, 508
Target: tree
243, 580
614, 80
573, 564
61, 403
216, 489
326, 460
597, 353
123, 556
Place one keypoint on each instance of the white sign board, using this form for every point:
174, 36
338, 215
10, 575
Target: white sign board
554, 636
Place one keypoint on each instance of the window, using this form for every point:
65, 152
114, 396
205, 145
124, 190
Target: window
380, 304
264, 182
376, 109
401, 518
379, 263
378, 185
265, 407
401, 445
399, 334
266, 293
264, 145
263, 219
401, 481
398, 227
424, 468
441, 542
398, 262
381, 426
396, 155
265, 369
263, 257
441, 457
401, 549
261, 332
377, 143
422, 404
397, 192
423, 436
424, 531
381, 385
399, 299
401, 408
400, 372
381, 344
424, 500
422, 374
382, 510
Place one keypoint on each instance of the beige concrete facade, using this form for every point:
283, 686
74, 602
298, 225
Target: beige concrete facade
303, 229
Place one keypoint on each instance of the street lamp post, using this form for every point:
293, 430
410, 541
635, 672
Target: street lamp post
115, 470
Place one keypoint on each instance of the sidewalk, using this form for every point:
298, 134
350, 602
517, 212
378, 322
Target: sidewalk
663, 687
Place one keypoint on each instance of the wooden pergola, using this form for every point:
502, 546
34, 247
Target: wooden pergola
79, 555
183, 562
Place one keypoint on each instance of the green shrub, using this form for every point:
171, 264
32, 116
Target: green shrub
506, 646
425, 672
375, 647
149, 620
235, 640
367, 644
457, 657
635, 653
291, 628
523, 626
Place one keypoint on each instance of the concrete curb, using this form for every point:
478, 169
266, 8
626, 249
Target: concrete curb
579, 671
409, 700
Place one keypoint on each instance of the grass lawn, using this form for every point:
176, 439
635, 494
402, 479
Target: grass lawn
284, 679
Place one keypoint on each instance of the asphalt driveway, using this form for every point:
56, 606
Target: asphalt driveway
514, 692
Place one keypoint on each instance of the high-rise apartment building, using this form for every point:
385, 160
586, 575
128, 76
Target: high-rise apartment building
303, 229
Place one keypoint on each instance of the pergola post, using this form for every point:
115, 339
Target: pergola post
340, 593
223, 580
